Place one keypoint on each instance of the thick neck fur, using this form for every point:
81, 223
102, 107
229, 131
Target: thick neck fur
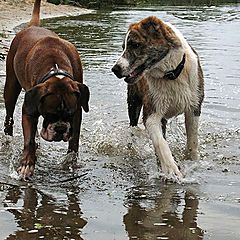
173, 97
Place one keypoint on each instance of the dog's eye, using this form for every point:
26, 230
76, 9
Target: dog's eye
51, 117
66, 117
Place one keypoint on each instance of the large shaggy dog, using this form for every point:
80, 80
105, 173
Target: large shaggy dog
164, 76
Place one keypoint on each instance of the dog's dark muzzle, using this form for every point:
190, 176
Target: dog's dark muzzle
117, 70
60, 131
57, 131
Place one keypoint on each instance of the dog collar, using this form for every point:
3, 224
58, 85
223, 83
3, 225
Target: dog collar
173, 74
54, 72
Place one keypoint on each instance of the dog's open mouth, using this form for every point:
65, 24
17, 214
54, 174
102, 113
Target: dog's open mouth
150, 62
138, 72
135, 74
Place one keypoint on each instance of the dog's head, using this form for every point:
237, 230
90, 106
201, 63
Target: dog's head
146, 43
57, 100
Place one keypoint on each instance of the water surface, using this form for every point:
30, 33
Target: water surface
115, 191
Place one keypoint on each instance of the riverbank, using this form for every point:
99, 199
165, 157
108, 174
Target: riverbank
16, 12
115, 191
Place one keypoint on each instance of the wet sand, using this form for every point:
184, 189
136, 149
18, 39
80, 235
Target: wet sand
15, 13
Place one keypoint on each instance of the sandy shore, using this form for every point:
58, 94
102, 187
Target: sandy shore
16, 12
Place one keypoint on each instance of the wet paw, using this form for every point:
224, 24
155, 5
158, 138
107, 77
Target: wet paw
172, 172
25, 172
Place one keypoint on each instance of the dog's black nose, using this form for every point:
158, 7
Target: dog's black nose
60, 129
117, 70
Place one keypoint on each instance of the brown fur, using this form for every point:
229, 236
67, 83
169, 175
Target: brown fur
33, 53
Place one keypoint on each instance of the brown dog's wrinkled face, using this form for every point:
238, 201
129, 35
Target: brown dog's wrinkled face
57, 101
146, 43
58, 112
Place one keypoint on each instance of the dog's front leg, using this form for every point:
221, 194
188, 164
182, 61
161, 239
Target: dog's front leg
74, 141
191, 123
163, 152
27, 163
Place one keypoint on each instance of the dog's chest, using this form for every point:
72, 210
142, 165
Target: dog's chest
171, 98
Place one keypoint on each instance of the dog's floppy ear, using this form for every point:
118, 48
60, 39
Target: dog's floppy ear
151, 26
157, 28
32, 99
84, 96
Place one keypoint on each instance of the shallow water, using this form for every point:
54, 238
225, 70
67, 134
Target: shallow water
115, 191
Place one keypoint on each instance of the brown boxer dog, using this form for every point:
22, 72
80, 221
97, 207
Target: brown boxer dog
49, 69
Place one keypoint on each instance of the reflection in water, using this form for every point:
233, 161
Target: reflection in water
161, 217
117, 158
40, 216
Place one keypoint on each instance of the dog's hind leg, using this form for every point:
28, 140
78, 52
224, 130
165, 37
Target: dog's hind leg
12, 90
191, 123
135, 103
192, 119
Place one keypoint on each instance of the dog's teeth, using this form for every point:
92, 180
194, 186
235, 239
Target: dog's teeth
132, 74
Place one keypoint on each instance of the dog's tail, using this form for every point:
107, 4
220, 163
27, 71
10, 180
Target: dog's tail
35, 21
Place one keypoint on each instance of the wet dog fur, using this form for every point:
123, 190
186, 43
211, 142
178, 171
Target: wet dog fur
164, 77
49, 69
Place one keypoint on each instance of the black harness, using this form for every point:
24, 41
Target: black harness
54, 72
173, 74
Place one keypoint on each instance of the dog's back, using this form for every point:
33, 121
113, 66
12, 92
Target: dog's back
37, 46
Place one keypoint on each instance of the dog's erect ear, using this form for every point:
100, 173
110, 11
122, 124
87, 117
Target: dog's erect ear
84, 96
32, 99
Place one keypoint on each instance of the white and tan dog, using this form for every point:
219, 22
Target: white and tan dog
164, 76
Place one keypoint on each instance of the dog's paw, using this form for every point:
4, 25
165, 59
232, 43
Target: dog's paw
172, 172
25, 172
